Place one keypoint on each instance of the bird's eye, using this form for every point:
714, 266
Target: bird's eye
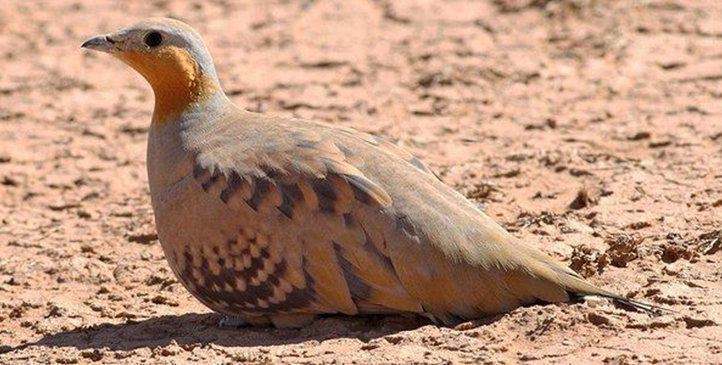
153, 39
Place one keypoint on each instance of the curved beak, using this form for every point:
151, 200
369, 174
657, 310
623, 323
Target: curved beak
102, 43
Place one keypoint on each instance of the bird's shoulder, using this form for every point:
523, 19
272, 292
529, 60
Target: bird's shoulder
330, 159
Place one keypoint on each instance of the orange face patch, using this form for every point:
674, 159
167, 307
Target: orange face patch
175, 77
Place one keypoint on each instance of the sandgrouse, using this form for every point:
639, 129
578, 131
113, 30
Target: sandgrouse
277, 220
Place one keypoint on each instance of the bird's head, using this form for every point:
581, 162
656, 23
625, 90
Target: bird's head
171, 56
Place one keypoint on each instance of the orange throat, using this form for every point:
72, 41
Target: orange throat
177, 80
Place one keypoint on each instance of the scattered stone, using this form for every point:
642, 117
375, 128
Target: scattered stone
585, 198
439, 78
60, 205
482, 191
142, 238
660, 143
160, 299
671, 253
10, 181
668, 65
370, 346
576, 172
93, 355
698, 322
67, 360
638, 225
84, 214
639, 136
134, 130
509, 174
598, 319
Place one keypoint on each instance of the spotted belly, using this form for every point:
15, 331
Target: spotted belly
241, 279
230, 257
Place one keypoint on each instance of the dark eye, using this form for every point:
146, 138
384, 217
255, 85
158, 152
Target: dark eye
153, 39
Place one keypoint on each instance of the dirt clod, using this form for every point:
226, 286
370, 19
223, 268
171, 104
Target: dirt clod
598, 319
623, 248
585, 198
588, 261
695, 322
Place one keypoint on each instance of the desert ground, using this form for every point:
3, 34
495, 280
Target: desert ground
590, 129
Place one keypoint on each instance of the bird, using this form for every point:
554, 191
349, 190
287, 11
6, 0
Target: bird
275, 221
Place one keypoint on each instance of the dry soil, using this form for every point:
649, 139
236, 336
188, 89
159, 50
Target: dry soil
589, 128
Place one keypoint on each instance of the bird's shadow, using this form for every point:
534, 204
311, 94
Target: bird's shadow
202, 328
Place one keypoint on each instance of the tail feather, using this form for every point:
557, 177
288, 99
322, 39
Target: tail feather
578, 289
640, 306
655, 310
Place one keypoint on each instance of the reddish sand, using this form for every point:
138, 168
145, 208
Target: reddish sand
589, 128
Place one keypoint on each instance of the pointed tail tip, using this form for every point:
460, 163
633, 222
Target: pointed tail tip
655, 310
578, 288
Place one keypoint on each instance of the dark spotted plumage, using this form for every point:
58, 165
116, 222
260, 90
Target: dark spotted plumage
282, 218
292, 195
233, 185
360, 291
224, 291
330, 221
260, 188
206, 185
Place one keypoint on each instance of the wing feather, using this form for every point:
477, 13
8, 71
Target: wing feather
307, 188
358, 225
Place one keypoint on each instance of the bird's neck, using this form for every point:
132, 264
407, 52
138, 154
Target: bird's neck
178, 90
174, 143
179, 83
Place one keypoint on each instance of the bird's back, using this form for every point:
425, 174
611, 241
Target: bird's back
281, 215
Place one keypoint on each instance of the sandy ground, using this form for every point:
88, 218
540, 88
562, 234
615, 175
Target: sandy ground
590, 128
